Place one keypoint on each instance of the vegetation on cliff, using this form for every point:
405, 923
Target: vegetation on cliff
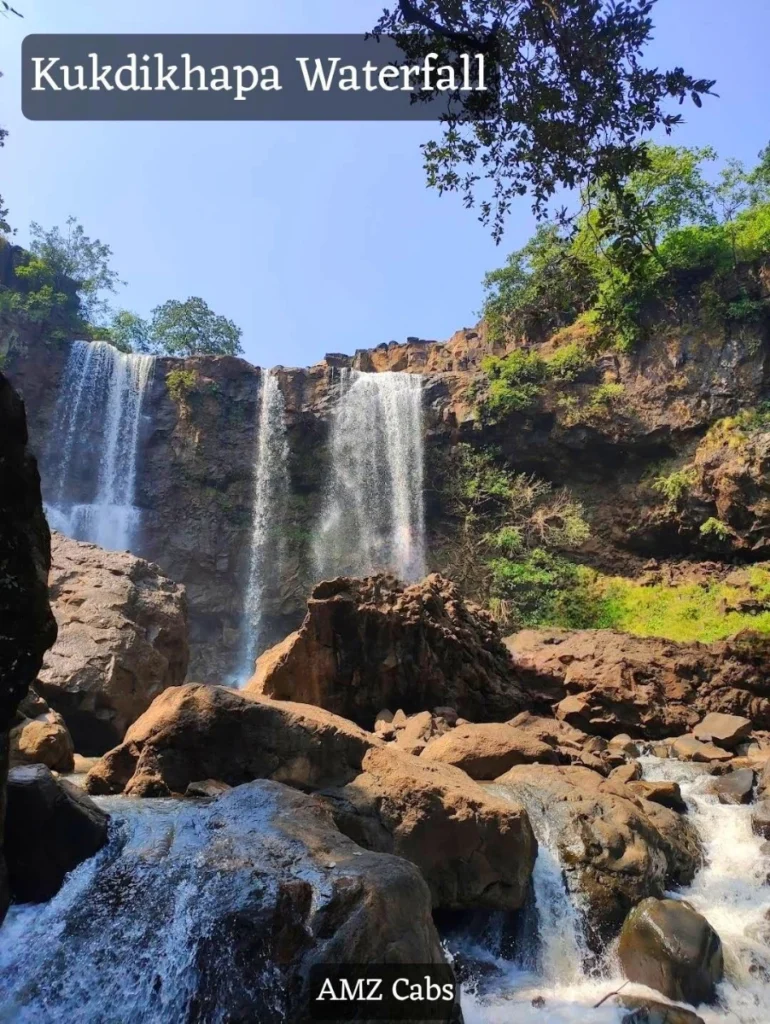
697, 233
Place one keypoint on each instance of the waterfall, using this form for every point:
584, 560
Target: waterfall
92, 447
731, 892
373, 517
269, 501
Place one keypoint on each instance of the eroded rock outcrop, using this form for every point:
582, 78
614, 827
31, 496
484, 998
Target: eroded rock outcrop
192, 733
473, 849
27, 626
603, 681
52, 826
616, 848
122, 641
371, 643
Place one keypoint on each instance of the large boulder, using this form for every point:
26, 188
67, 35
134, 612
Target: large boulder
51, 827
368, 644
41, 736
218, 911
723, 730
669, 946
487, 750
616, 847
473, 849
27, 626
195, 732
602, 681
122, 641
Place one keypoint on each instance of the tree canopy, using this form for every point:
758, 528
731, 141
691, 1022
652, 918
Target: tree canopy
574, 96
189, 328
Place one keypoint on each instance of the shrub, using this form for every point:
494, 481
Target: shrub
715, 528
515, 381
674, 486
567, 362
180, 383
605, 394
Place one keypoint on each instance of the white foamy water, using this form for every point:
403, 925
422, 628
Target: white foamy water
373, 518
92, 450
731, 892
269, 502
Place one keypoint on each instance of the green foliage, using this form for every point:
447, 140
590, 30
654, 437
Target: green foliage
687, 612
191, 328
676, 485
128, 332
70, 255
513, 530
180, 383
40, 301
671, 229
567, 362
603, 395
515, 381
715, 528
573, 96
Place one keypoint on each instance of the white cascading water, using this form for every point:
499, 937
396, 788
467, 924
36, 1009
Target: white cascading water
731, 892
373, 518
94, 439
270, 493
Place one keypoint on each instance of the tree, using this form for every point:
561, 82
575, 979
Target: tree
128, 332
72, 255
191, 328
575, 97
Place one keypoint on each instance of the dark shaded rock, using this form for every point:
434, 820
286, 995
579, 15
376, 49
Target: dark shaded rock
473, 849
27, 626
647, 1011
52, 827
616, 848
601, 681
734, 788
669, 946
194, 732
760, 818
122, 641
371, 643
487, 750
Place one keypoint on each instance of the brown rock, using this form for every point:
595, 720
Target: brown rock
122, 641
487, 750
630, 772
473, 849
51, 827
415, 733
668, 946
687, 748
197, 732
723, 730
43, 739
760, 819
603, 681
668, 794
373, 642
616, 848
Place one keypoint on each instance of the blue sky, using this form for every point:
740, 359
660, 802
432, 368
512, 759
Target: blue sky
314, 238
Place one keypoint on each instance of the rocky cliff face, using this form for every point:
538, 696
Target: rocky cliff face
197, 457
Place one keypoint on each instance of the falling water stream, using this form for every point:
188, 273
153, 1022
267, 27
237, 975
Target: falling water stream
731, 891
269, 502
373, 517
93, 445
